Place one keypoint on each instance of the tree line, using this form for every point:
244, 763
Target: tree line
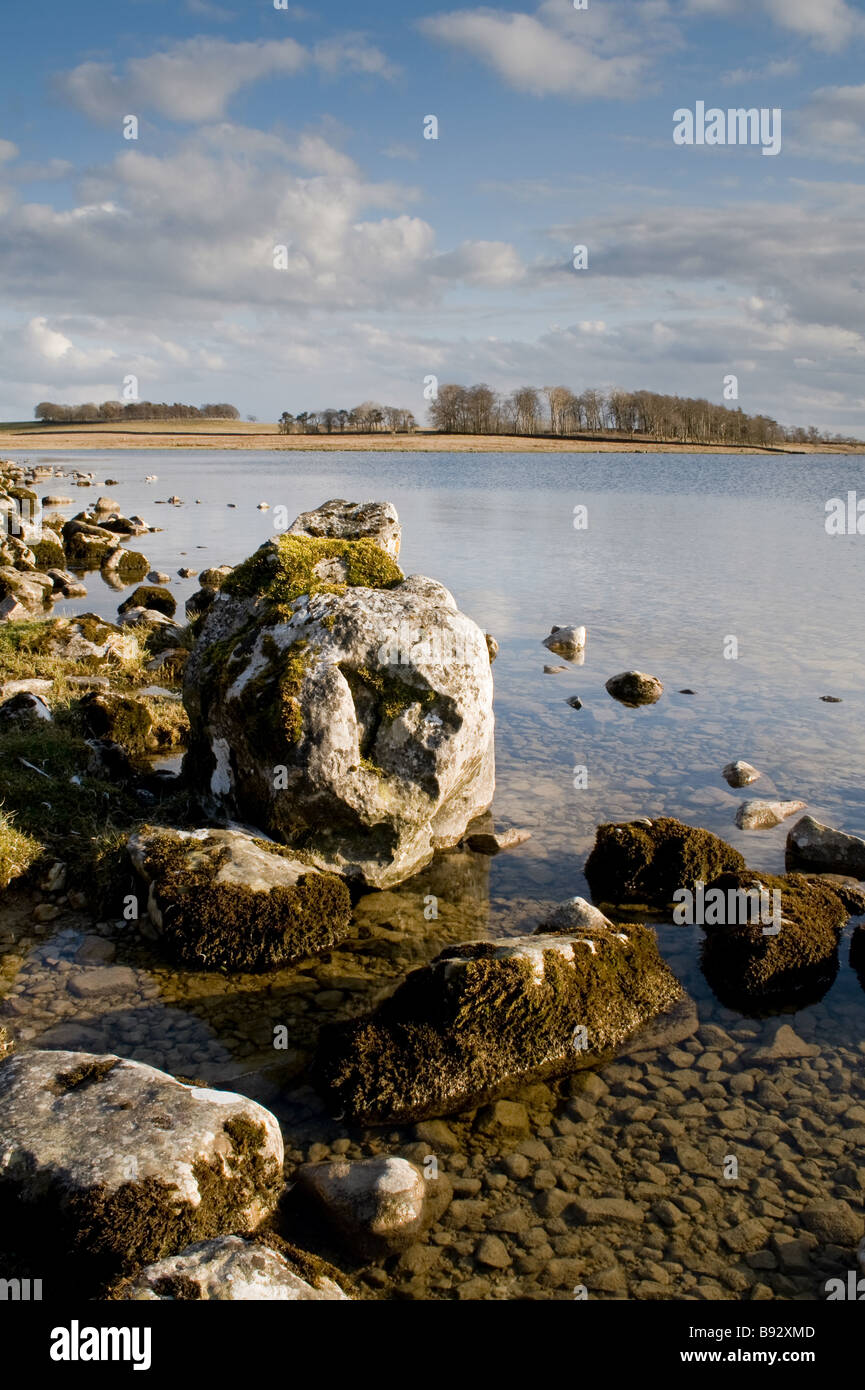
556, 410
91, 413
368, 418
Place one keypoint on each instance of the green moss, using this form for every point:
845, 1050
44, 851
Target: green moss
87, 552
232, 927
648, 863
49, 554
392, 695
132, 566
444, 1041
754, 972
154, 596
286, 571
88, 1073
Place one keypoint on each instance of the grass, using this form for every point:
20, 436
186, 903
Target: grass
18, 851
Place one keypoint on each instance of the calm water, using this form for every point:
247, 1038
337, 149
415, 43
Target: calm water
681, 554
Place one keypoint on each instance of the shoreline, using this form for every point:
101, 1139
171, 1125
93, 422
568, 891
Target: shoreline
259, 437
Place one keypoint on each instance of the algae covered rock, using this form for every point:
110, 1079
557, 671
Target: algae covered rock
87, 639
488, 1014
648, 861
112, 1162
151, 596
786, 954
341, 707
635, 688
353, 521
223, 899
228, 1269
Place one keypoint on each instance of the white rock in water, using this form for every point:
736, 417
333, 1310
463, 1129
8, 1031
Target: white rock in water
95, 1140
357, 724
376, 1203
816, 846
576, 914
763, 815
566, 641
353, 521
231, 1270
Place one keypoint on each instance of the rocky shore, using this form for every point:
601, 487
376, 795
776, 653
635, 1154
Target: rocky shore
414, 1104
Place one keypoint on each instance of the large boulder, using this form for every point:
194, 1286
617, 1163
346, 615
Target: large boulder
787, 958
223, 899
111, 1161
486, 1015
353, 521
341, 707
811, 845
648, 861
228, 1269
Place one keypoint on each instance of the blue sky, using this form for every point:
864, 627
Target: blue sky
261, 127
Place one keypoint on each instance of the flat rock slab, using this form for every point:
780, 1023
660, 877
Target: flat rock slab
379, 1205
115, 1162
230, 1270
785, 1046
764, 815
100, 982
223, 898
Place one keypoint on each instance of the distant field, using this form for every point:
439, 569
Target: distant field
243, 434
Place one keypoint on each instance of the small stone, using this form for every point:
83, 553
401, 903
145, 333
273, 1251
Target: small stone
740, 774
505, 1119
784, 1046
493, 1252
554, 670
496, 841
833, 1223
764, 815
98, 983
566, 641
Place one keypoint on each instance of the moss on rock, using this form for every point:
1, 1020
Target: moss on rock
219, 922
751, 967
154, 596
646, 862
48, 552
285, 570
487, 1014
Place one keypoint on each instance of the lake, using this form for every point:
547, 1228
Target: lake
714, 573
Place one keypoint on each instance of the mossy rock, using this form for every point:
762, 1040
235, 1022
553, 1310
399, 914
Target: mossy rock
646, 862
86, 552
132, 566
115, 1164
222, 899
283, 571
121, 718
6, 1043
48, 552
752, 968
485, 1016
153, 596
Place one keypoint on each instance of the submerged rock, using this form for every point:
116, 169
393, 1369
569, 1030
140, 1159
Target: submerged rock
635, 688
341, 707
353, 521
228, 1269
488, 1014
764, 815
811, 845
648, 861
117, 1163
495, 841
566, 641
223, 899
740, 774
769, 963
378, 1205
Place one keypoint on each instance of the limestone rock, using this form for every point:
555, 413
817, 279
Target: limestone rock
566, 641
740, 774
353, 521
116, 1162
355, 720
764, 815
487, 1015
228, 1269
221, 898
378, 1205
648, 861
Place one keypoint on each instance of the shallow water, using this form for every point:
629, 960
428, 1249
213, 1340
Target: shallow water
681, 553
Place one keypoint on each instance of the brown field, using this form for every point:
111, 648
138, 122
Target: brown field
236, 434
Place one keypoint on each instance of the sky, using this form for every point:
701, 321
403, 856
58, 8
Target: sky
405, 256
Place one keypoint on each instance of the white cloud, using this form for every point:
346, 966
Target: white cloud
194, 80
8, 151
